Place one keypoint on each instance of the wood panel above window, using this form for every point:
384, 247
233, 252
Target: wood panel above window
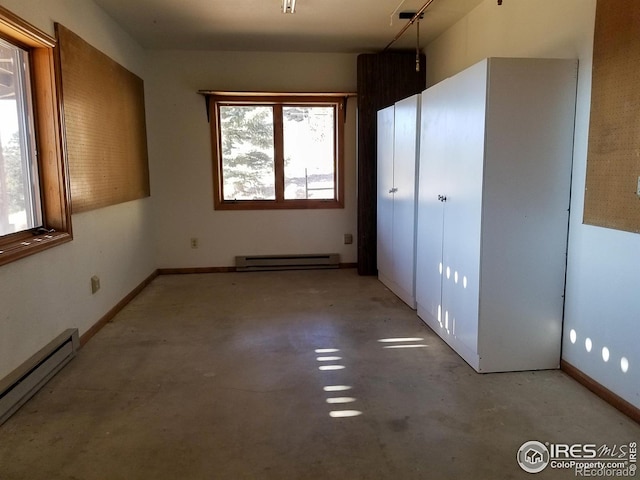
105, 126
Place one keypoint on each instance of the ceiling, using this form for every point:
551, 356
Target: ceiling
350, 26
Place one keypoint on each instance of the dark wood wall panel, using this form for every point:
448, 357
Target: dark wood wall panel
613, 162
383, 79
104, 126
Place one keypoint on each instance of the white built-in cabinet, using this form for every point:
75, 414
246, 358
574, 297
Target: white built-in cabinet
494, 184
398, 140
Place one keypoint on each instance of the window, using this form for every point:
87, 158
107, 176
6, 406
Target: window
34, 213
19, 186
273, 152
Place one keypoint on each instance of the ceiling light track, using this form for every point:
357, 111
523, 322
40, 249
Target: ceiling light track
418, 46
414, 19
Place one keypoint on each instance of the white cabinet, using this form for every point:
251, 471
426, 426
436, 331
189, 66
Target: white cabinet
398, 140
494, 183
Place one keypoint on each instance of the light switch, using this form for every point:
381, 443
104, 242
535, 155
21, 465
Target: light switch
95, 284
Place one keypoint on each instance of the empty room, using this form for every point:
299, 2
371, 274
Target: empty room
303, 239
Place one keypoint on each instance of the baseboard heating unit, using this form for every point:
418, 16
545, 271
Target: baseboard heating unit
287, 262
23, 383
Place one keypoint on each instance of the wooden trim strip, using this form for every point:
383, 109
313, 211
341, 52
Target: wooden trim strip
339, 180
278, 150
607, 395
107, 317
317, 204
23, 246
275, 94
191, 270
23, 31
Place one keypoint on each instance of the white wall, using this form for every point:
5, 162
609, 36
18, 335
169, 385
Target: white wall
48, 292
180, 143
603, 278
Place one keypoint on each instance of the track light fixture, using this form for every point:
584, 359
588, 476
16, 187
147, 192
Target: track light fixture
288, 6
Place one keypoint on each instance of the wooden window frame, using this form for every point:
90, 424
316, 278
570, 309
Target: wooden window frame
277, 101
52, 165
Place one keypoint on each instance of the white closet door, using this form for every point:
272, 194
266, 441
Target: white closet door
431, 187
463, 208
497, 144
404, 201
384, 192
525, 211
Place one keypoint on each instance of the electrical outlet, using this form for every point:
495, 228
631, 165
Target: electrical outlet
95, 284
348, 239
194, 242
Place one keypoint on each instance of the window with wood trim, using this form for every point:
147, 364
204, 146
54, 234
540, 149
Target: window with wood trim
34, 204
277, 152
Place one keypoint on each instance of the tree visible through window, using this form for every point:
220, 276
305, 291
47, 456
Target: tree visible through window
246, 134
277, 153
20, 207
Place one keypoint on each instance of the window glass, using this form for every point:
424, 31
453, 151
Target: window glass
309, 152
20, 206
247, 143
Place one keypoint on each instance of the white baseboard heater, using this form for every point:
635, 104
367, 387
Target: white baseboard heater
23, 383
287, 262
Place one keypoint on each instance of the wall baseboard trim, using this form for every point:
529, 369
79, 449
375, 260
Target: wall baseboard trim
607, 395
192, 270
86, 336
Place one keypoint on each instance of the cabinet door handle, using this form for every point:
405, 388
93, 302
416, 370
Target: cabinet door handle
442, 198
393, 190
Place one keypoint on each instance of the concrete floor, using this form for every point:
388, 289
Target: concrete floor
217, 377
